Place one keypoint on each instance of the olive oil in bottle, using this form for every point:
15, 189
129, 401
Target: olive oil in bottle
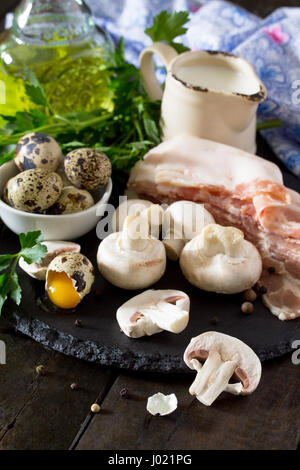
58, 41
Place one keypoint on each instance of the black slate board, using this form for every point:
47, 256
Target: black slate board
100, 340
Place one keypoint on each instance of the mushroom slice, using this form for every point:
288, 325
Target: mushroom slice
54, 248
182, 221
154, 311
160, 404
153, 213
132, 259
224, 356
221, 260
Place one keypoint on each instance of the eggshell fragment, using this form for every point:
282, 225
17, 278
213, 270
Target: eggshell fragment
54, 248
162, 404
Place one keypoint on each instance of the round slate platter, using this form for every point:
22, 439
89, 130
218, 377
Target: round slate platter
99, 338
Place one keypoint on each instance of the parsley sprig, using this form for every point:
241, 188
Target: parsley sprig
32, 251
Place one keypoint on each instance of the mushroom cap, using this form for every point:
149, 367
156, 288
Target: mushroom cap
137, 207
54, 248
154, 311
186, 217
230, 349
221, 260
131, 268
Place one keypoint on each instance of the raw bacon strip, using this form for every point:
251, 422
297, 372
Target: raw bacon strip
239, 189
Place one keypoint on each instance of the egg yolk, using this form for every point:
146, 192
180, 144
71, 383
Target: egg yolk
61, 290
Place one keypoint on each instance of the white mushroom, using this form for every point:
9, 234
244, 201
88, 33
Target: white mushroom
160, 404
152, 212
54, 248
221, 260
183, 220
224, 356
154, 311
132, 259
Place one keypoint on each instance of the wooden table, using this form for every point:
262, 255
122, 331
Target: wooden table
43, 412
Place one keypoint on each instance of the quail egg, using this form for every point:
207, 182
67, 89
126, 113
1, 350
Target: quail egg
61, 172
72, 200
69, 279
87, 168
34, 190
37, 150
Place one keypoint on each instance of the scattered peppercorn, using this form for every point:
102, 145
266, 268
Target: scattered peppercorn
247, 308
250, 295
124, 393
215, 320
40, 370
95, 408
78, 323
262, 290
74, 386
271, 270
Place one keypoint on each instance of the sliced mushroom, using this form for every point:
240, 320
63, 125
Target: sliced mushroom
183, 220
224, 356
154, 311
54, 248
221, 260
139, 207
132, 259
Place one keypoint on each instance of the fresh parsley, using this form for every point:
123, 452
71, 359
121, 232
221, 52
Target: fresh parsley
168, 26
33, 252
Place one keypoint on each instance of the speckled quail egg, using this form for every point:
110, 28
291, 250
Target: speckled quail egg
5, 195
69, 279
34, 190
61, 172
37, 150
72, 200
87, 168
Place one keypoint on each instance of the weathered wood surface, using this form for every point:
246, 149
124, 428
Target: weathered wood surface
268, 419
44, 413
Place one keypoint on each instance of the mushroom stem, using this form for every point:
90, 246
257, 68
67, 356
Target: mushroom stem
135, 233
212, 378
167, 316
154, 215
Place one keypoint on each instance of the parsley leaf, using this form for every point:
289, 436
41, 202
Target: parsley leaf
33, 252
34, 89
168, 26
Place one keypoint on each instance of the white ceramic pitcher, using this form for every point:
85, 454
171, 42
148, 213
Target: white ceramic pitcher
223, 110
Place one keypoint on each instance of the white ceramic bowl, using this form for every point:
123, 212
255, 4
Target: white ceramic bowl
53, 227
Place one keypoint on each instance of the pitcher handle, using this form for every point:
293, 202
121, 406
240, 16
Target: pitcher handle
150, 82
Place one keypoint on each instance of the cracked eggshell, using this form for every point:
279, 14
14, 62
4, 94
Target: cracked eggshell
37, 150
54, 248
230, 349
71, 200
87, 168
77, 267
162, 404
34, 190
220, 260
154, 311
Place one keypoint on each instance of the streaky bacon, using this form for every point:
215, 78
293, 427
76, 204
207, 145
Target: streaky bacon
238, 189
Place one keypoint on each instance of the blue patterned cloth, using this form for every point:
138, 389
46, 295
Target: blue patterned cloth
272, 45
